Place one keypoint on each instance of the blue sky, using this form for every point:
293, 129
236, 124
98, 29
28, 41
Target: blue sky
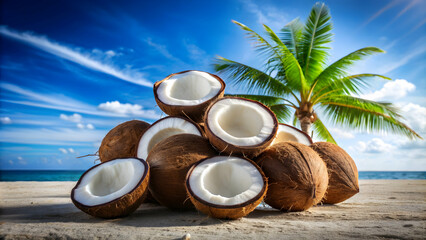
70, 71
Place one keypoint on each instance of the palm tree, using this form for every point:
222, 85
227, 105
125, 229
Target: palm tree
297, 84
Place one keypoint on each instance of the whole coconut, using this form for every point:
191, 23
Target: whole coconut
297, 176
169, 161
343, 182
122, 141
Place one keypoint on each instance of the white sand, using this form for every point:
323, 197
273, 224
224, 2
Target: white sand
384, 209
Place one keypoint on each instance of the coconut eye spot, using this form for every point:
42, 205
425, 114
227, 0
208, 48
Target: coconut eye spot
189, 87
226, 180
240, 121
111, 179
163, 134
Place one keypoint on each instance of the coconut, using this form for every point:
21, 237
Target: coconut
122, 141
170, 161
163, 129
240, 126
188, 93
112, 189
225, 186
287, 133
343, 182
297, 176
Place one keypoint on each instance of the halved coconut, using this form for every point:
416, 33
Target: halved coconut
240, 126
297, 176
170, 161
122, 140
226, 186
112, 189
188, 93
343, 172
163, 129
287, 133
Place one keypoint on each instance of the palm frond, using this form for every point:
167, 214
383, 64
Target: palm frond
338, 68
282, 111
290, 35
366, 115
322, 132
315, 36
347, 85
254, 79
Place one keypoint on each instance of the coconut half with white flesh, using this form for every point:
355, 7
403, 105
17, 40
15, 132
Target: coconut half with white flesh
188, 93
240, 126
226, 186
112, 189
163, 129
287, 133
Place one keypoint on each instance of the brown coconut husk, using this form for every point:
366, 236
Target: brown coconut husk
170, 161
231, 149
122, 141
298, 178
194, 112
226, 212
121, 206
343, 182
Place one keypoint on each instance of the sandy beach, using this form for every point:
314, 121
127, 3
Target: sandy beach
384, 209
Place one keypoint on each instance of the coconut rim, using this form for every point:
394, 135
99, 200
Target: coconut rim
186, 119
250, 201
157, 84
274, 133
146, 165
306, 135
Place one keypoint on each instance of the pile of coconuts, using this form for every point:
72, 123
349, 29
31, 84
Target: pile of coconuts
220, 155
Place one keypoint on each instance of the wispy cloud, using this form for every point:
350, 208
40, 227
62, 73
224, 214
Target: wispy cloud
5, 120
162, 49
380, 12
402, 61
267, 15
74, 55
64, 103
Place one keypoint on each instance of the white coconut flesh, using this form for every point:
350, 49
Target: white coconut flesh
190, 88
226, 181
109, 181
163, 129
286, 134
240, 122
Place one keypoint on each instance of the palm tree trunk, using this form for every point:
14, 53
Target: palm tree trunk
305, 124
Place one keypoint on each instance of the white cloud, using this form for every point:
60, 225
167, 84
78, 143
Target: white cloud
5, 120
21, 161
415, 116
338, 133
10, 162
60, 102
74, 55
71, 150
267, 15
59, 161
72, 118
391, 90
63, 150
375, 145
90, 126
125, 109
80, 125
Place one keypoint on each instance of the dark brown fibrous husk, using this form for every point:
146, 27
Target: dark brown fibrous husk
121, 206
343, 173
227, 212
193, 112
297, 176
122, 141
170, 161
231, 149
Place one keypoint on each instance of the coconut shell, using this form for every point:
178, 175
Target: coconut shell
297, 176
122, 141
305, 135
193, 112
245, 151
343, 180
119, 207
170, 160
227, 212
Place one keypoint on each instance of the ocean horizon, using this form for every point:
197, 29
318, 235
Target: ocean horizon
74, 175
